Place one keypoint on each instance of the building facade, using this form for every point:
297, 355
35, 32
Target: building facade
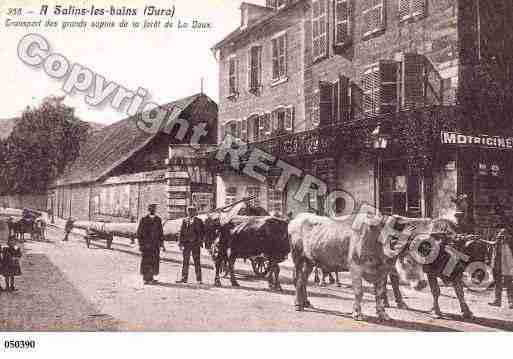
314, 82
122, 169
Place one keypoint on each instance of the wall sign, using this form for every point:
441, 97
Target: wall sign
483, 141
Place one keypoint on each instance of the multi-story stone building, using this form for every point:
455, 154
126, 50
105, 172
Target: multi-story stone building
316, 82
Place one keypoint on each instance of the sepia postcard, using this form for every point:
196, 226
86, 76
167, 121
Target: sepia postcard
297, 166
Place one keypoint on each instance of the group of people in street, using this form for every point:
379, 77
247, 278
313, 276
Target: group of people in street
150, 234
151, 240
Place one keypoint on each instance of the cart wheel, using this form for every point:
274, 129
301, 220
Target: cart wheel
260, 266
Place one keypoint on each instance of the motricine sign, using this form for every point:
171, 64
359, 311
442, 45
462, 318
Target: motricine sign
498, 142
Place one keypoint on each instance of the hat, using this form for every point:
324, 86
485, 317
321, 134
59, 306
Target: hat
191, 208
153, 205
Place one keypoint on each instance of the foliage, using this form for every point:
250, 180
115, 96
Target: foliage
42, 142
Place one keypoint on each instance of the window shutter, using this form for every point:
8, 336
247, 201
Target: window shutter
373, 16
343, 99
255, 68
289, 119
412, 81
255, 127
319, 28
274, 121
276, 63
325, 103
334, 101
418, 8
266, 125
315, 112
388, 71
244, 130
356, 101
370, 88
343, 22
404, 9
421, 83
434, 85
411, 9
238, 126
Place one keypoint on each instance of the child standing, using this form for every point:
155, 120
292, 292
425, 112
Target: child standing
10, 263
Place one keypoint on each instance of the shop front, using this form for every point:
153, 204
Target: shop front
485, 175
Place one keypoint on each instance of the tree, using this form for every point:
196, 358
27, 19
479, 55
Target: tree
41, 144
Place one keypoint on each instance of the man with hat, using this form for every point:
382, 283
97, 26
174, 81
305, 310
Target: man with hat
150, 234
191, 239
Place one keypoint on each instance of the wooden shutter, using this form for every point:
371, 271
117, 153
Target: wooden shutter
421, 84
373, 16
315, 111
319, 29
418, 8
335, 101
244, 130
289, 119
404, 9
343, 23
265, 125
325, 103
412, 80
411, 9
388, 71
434, 85
255, 68
274, 121
356, 101
343, 99
370, 88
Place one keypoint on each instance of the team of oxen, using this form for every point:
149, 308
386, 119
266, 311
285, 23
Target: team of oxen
35, 226
370, 248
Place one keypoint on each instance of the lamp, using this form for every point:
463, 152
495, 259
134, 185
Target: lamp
379, 139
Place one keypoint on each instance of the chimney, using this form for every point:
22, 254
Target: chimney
250, 13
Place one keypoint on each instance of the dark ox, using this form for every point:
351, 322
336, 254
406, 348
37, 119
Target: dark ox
369, 249
245, 237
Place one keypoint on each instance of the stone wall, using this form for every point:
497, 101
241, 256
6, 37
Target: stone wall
270, 97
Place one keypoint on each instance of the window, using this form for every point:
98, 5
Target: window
254, 191
420, 82
379, 85
231, 195
231, 128
253, 128
401, 195
255, 68
319, 29
411, 9
232, 76
264, 126
283, 120
274, 200
373, 16
276, 4
343, 23
336, 101
279, 52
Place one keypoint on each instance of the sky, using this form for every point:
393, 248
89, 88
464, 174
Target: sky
167, 63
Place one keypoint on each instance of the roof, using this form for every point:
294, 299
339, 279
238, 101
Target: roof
234, 35
106, 149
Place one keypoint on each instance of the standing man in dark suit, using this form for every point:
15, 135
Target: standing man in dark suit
190, 242
150, 234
